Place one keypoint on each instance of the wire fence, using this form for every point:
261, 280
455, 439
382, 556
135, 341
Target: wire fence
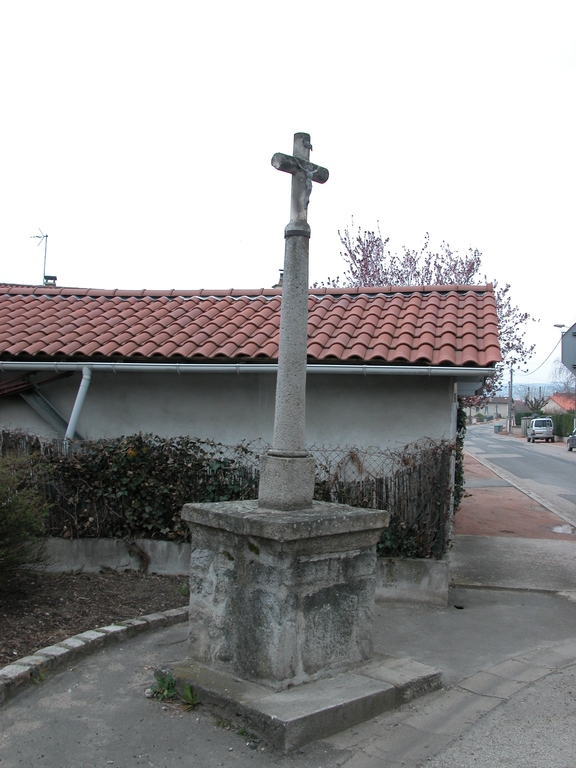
135, 486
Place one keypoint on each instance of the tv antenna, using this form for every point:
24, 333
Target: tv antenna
46, 279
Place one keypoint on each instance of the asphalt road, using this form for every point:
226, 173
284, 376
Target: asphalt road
546, 471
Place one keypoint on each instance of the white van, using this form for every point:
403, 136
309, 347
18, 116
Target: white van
540, 429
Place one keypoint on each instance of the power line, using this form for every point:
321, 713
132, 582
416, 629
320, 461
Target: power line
541, 364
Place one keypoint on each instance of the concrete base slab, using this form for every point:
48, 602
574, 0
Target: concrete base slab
291, 718
411, 679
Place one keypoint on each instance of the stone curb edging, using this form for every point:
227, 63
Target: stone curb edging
32, 669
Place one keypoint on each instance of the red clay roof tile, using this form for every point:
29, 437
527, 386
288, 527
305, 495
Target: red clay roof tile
562, 399
432, 325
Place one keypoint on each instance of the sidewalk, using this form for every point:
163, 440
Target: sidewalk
507, 653
504, 538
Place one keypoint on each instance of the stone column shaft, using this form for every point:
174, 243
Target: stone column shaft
290, 412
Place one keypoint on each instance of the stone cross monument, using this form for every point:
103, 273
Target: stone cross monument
282, 588
287, 470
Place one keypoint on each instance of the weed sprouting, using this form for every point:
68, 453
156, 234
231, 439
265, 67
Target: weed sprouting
189, 698
165, 685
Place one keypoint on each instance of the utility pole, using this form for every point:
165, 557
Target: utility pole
511, 414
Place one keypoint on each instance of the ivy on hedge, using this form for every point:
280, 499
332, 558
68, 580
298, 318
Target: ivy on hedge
563, 423
461, 422
135, 486
22, 516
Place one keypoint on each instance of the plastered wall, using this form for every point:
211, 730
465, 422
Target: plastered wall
387, 411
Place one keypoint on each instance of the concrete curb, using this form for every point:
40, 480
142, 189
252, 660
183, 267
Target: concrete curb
33, 669
89, 555
413, 580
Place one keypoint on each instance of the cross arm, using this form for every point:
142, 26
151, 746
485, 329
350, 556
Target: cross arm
292, 165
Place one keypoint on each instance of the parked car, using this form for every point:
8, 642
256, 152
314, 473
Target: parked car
571, 440
540, 429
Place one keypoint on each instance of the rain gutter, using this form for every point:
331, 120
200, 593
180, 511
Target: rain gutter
311, 368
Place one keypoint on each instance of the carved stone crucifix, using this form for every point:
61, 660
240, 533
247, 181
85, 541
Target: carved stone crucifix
287, 470
303, 174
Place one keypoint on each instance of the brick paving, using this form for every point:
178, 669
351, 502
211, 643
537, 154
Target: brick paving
492, 507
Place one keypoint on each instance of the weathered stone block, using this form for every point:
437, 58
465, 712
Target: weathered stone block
135, 625
282, 597
38, 665
176, 615
15, 674
74, 645
91, 636
155, 620
116, 631
54, 652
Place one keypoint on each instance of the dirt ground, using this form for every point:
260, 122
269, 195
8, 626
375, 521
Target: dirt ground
39, 609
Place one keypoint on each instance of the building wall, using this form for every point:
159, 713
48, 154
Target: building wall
496, 410
552, 407
387, 411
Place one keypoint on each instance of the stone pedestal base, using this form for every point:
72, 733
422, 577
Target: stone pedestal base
289, 719
282, 598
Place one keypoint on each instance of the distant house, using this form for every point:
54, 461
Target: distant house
491, 408
497, 407
385, 365
559, 402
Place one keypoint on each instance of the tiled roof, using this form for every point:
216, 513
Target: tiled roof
563, 400
422, 325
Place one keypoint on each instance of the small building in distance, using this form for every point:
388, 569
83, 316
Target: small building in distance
559, 402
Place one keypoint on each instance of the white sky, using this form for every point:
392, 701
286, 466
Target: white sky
138, 135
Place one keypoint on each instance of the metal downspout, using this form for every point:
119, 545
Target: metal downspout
79, 402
